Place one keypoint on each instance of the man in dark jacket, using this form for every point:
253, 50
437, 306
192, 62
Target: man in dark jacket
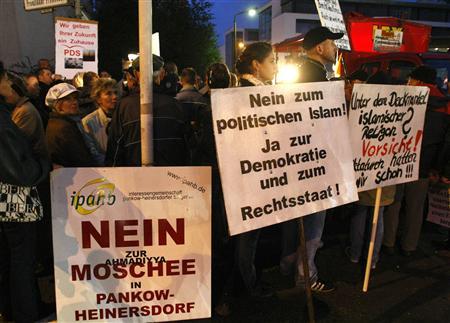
68, 144
320, 50
124, 134
20, 209
18, 164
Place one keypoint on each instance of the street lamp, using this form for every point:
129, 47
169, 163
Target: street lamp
251, 12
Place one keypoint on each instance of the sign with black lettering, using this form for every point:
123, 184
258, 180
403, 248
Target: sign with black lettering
283, 152
386, 124
330, 15
76, 46
132, 244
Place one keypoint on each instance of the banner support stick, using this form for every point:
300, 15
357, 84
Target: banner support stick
372, 238
303, 254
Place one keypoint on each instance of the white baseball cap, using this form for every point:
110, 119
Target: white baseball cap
57, 92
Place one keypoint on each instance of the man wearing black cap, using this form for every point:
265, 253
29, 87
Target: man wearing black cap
320, 50
124, 134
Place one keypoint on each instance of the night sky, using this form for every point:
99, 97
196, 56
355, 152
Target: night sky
224, 10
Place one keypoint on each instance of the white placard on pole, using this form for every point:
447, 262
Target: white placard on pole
386, 125
283, 152
132, 244
330, 15
76, 46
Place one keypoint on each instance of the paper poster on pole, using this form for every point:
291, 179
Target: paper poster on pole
283, 152
330, 15
439, 205
132, 244
155, 44
386, 125
76, 43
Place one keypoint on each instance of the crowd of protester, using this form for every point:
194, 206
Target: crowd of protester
94, 121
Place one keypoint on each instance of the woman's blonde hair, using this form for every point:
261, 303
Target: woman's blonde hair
101, 85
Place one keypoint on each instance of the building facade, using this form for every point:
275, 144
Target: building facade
27, 36
243, 38
290, 18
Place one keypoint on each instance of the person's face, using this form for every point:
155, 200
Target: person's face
68, 105
327, 50
107, 100
265, 70
33, 86
7, 91
5, 86
46, 77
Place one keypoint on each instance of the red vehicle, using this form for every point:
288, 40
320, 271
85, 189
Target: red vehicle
399, 65
404, 46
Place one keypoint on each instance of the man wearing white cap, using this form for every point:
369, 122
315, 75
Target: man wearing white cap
67, 144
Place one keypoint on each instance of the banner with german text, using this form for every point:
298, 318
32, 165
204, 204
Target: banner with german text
283, 152
76, 46
132, 244
386, 125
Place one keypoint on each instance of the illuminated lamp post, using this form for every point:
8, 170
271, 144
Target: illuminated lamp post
251, 13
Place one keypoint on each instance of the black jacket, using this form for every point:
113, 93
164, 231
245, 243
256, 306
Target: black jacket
312, 71
436, 126
18, 164
169, 129
66, 145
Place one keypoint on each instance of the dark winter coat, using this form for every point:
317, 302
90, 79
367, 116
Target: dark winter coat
312, 71
437, 121
18, 164
66, 144
124, 133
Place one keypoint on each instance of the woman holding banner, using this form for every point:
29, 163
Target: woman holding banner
256, 66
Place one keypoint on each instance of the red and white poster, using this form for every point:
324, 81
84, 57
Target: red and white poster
387, 38
386, 126
132, 244
76, 47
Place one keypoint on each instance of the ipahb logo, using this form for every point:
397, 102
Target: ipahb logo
93, 195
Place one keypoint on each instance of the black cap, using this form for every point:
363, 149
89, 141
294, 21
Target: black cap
317, 35
424, 74
158, 62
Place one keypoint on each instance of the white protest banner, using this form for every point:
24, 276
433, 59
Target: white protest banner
132, 244
439, 204
76, 43
386, 123
330, 15
283, 152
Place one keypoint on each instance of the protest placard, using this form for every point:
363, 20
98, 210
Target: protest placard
387, 38
76, 46
330, 15
386, 124
439, 204
283, 152
132, 244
